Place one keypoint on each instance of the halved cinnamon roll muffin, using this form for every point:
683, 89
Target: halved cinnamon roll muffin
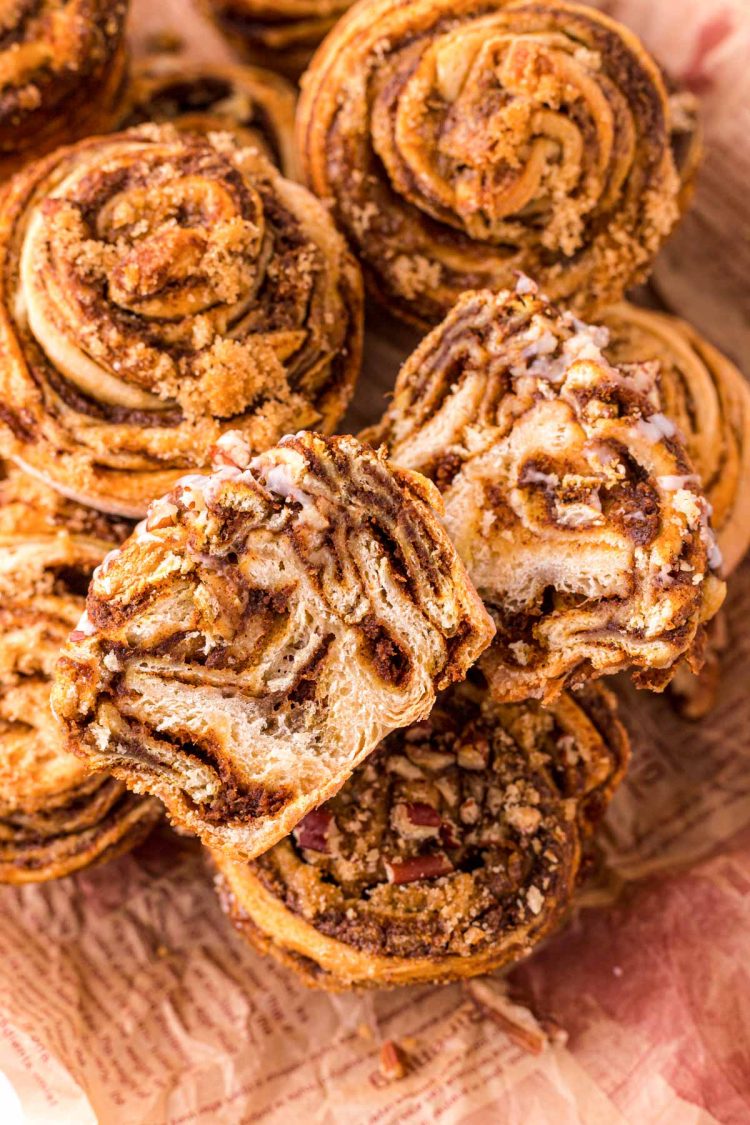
282, 34
568, 493
62, 69
452, 851
255, 105
262, 631
55, 816
459, 141
708, 399
158, 288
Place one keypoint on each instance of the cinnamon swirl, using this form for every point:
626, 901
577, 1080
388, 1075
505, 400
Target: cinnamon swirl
452, 851
156, 290
62, 68
55, 817
262, 631
458, 141
281, 34
256, 106
568, 493
709, 401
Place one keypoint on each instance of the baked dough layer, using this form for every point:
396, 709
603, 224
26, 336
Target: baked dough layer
450, 852
158, 288
458, 141
568, 492
55, 816
263, 630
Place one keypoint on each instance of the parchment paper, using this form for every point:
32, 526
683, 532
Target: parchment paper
125, 997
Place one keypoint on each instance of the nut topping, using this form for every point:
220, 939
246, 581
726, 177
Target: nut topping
474, 755
415, 820
313, 831
418, 867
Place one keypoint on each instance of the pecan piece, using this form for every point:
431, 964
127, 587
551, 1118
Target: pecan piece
417, 867
313, 831
392, 1062
415, 820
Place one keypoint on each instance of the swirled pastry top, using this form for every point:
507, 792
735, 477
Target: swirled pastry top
156, 289
461, 140
450, 852
262, 631
709, 401
568, 493
55, 817
255, 105
281, 34
62, 64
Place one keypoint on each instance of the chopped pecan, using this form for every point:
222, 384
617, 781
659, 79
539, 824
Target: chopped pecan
470, 812
314, 830
474, 755
392, 1062
415, 820
417, 867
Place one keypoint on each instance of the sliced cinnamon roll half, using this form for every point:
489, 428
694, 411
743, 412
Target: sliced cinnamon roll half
452, 851
255, 105
568, 493
709, 401
158, 288
62, 70
55, 816
262, 631
281, 34
458, 141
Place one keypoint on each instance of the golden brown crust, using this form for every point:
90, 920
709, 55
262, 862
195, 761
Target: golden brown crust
262, 631
709, 401
62, 69
55, 817
568, 494
255, 105
156, 290
451, 852
282, 34
459, 141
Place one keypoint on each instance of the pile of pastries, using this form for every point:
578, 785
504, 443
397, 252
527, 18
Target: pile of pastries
366, 671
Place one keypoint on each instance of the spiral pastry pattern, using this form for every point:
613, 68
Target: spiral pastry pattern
156, 290
567, 490
450, 852
282, 34
255, 105
55, 817
709, 401
62, 69
262, 631
459, 142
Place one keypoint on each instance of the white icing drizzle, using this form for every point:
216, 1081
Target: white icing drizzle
675, 483
656, 427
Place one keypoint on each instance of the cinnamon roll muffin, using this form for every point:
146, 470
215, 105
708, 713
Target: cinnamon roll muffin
708, 399
281, 34
62, 68
458, 141
452, 851
262, 631
255, 105
55, 816
568, 493
158, 288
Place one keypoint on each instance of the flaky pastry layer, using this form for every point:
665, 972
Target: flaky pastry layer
158, 288
451, 852
458, 141
568, 492
262, 631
